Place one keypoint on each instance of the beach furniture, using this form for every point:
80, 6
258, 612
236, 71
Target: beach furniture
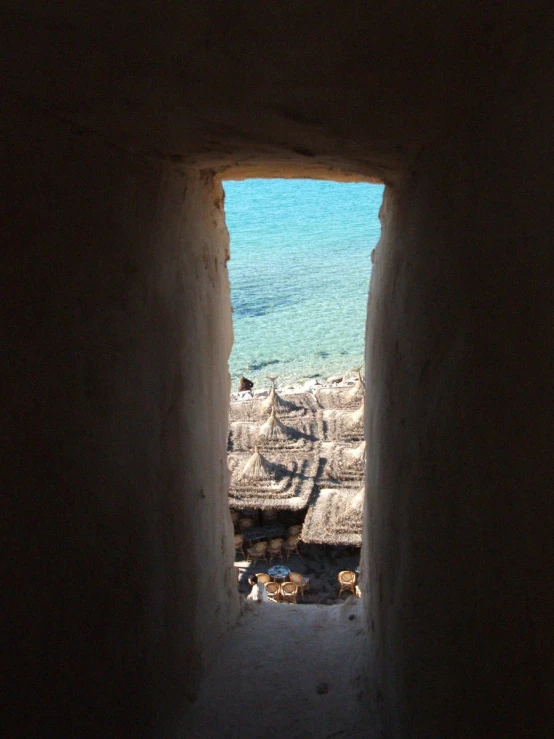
256, 533
269, 516
358, 390
356, 419
303, 583
291, 545
334, 517
273, 429
273, 590
257, 468
275, 549
275, 402
347, 581
289, 592
257, 552
278, 572
245, 523
239, 544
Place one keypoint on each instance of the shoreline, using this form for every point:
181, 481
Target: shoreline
348, 379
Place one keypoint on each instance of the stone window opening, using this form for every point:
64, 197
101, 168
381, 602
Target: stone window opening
328, 419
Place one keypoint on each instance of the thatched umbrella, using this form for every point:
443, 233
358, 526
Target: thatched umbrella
357, 501
357, 455
274, 400
334, 517
345, 464
358, 390
257, 468
273, 428
262, 483
357, 418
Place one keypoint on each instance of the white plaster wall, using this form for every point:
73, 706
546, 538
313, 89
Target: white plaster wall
459, 545
114, 360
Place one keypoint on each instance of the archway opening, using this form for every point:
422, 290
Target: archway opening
300, 267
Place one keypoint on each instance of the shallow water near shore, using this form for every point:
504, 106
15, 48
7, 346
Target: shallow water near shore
300, 268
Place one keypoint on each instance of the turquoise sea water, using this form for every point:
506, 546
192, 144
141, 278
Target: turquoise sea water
299, 269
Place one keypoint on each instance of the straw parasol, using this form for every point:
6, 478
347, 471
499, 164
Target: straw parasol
357, 418
303, 432
257, 468
338, 398
356, 456
274, 400
263, 483
257, 409
273, 428
344, 464
358, 390
335, 516
357, 500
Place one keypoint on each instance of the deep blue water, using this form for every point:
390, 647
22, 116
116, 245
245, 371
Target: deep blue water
299, 269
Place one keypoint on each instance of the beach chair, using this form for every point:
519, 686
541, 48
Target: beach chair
263, 577
289, 592
303, 583
291, 545
258, 551
273, 590
269, 516
239, 544
347, 581
275, 549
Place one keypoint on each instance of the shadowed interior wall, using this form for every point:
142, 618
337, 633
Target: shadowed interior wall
117, 331
459, 358
117, 334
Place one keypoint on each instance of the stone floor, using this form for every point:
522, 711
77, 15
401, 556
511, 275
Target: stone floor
292, 671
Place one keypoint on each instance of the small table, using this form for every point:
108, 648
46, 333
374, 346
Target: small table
263, 532
279, 572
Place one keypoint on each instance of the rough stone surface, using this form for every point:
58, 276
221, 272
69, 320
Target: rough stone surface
299, 670
121, 541
247, 88
459, 515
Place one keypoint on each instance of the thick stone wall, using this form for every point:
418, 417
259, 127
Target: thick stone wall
117, 329
117, 333
262, 89
459, 357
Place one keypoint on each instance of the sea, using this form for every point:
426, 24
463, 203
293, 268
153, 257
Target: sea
299, 270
